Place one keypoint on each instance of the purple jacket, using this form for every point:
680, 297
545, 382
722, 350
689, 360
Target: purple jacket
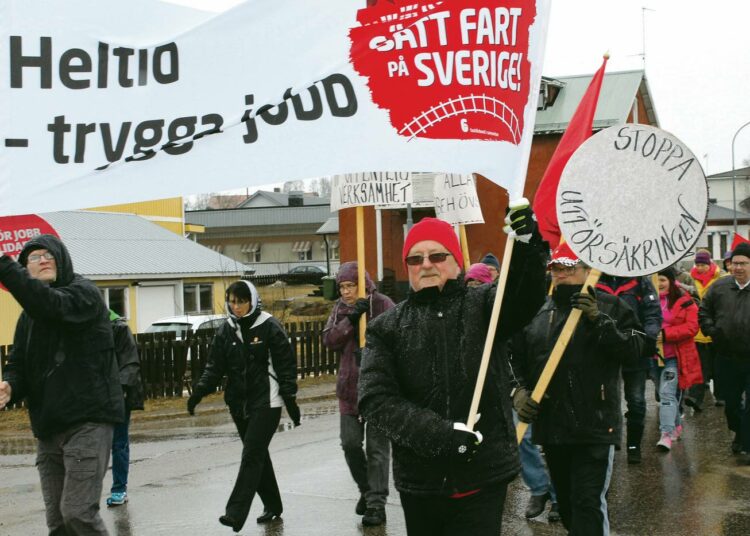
339, 334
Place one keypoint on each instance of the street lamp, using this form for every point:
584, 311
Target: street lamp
734, 179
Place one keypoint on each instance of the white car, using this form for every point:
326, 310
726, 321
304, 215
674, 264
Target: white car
184, 323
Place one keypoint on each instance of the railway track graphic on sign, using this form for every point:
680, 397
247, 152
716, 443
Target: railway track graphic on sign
471, 104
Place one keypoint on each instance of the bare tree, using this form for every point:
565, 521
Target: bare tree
293, 186
198, 202
322, 186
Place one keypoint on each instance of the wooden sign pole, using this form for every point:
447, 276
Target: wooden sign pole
554, 359
499, 293
362, 290
464, 246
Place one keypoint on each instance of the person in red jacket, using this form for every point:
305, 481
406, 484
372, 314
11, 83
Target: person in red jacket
679, 365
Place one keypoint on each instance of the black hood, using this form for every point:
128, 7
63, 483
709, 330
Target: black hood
62, 258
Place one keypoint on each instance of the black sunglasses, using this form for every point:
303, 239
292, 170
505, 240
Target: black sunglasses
435, 258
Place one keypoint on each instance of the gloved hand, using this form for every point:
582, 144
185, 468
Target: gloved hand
361, 306
586, 302
526, 407
193, 401
292, 409
520, 220
464, 443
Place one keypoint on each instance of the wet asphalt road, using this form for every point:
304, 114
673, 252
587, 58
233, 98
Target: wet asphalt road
183, 469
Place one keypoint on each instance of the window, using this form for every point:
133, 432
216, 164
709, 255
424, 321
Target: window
116, 299
303, 250
198, 298
305, 255
334, 250
252, 251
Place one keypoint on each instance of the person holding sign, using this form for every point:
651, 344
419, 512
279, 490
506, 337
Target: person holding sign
724, 315
579, 421
368, 467
419, 369
63, 363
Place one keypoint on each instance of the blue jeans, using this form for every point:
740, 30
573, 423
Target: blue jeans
669, 395
369, 466
533, 470
121, 455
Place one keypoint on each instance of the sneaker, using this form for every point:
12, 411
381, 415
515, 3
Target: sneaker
536, 505
117, 498
554, 514
634, 455
677, 433
361, 507
373, 517
665, 443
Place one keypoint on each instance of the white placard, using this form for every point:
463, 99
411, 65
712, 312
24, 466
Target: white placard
632, 200
386, 190
456, 199
96, 110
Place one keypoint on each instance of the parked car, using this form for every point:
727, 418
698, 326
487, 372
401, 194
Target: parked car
305, 274
184, 323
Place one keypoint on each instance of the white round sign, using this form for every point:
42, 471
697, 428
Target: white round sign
632, 200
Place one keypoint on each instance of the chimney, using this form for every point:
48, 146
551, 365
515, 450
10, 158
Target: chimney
277, 190
296, 199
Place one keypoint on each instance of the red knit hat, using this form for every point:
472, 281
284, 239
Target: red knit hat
563, 255
437, 230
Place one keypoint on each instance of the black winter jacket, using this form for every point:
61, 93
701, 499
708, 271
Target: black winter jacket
643, 300
129, 363
258, 362
63, 361
419, 369
582, 402
724, 315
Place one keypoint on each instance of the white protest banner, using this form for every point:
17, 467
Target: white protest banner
98, 108
632, 200
456, 199
374, 188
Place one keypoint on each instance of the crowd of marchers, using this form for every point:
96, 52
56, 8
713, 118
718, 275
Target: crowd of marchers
406, 387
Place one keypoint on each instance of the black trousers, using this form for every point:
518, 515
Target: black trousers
479, 514
256, 470
581, 475
737, 384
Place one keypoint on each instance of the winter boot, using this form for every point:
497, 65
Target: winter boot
536, 505
635, 435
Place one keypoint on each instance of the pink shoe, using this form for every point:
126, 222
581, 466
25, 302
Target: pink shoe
677, 433
665, 443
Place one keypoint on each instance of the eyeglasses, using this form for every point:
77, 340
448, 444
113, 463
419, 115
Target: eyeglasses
740, 264
347, 286
557, 269
37, 257
435, 258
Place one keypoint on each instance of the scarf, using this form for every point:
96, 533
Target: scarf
706, 277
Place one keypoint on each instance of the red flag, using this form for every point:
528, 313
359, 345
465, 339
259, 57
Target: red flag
579, 130
738, 240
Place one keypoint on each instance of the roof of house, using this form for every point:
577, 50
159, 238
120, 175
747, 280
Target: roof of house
719, 213
619, 91
331, 226
740, 173
106, 245
266, 216
281, 199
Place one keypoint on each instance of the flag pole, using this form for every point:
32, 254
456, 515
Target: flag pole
496, 306
361, 290
464, 246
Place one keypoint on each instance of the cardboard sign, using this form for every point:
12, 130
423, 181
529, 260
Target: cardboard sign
632, 200
101, 108
456, 199
365, 189
15, 231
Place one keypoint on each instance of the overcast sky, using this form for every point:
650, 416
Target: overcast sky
697, 62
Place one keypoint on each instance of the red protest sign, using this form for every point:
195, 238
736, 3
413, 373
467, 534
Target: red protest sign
15, 231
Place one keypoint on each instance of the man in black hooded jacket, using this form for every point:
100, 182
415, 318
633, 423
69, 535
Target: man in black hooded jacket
63, 363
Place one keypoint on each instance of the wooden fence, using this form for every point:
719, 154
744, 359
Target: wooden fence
169, 366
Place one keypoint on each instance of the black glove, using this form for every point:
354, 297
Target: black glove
520, 220
361, 306
193, 401
526, 407
464, 443
586, 302
292, 409
650, 347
